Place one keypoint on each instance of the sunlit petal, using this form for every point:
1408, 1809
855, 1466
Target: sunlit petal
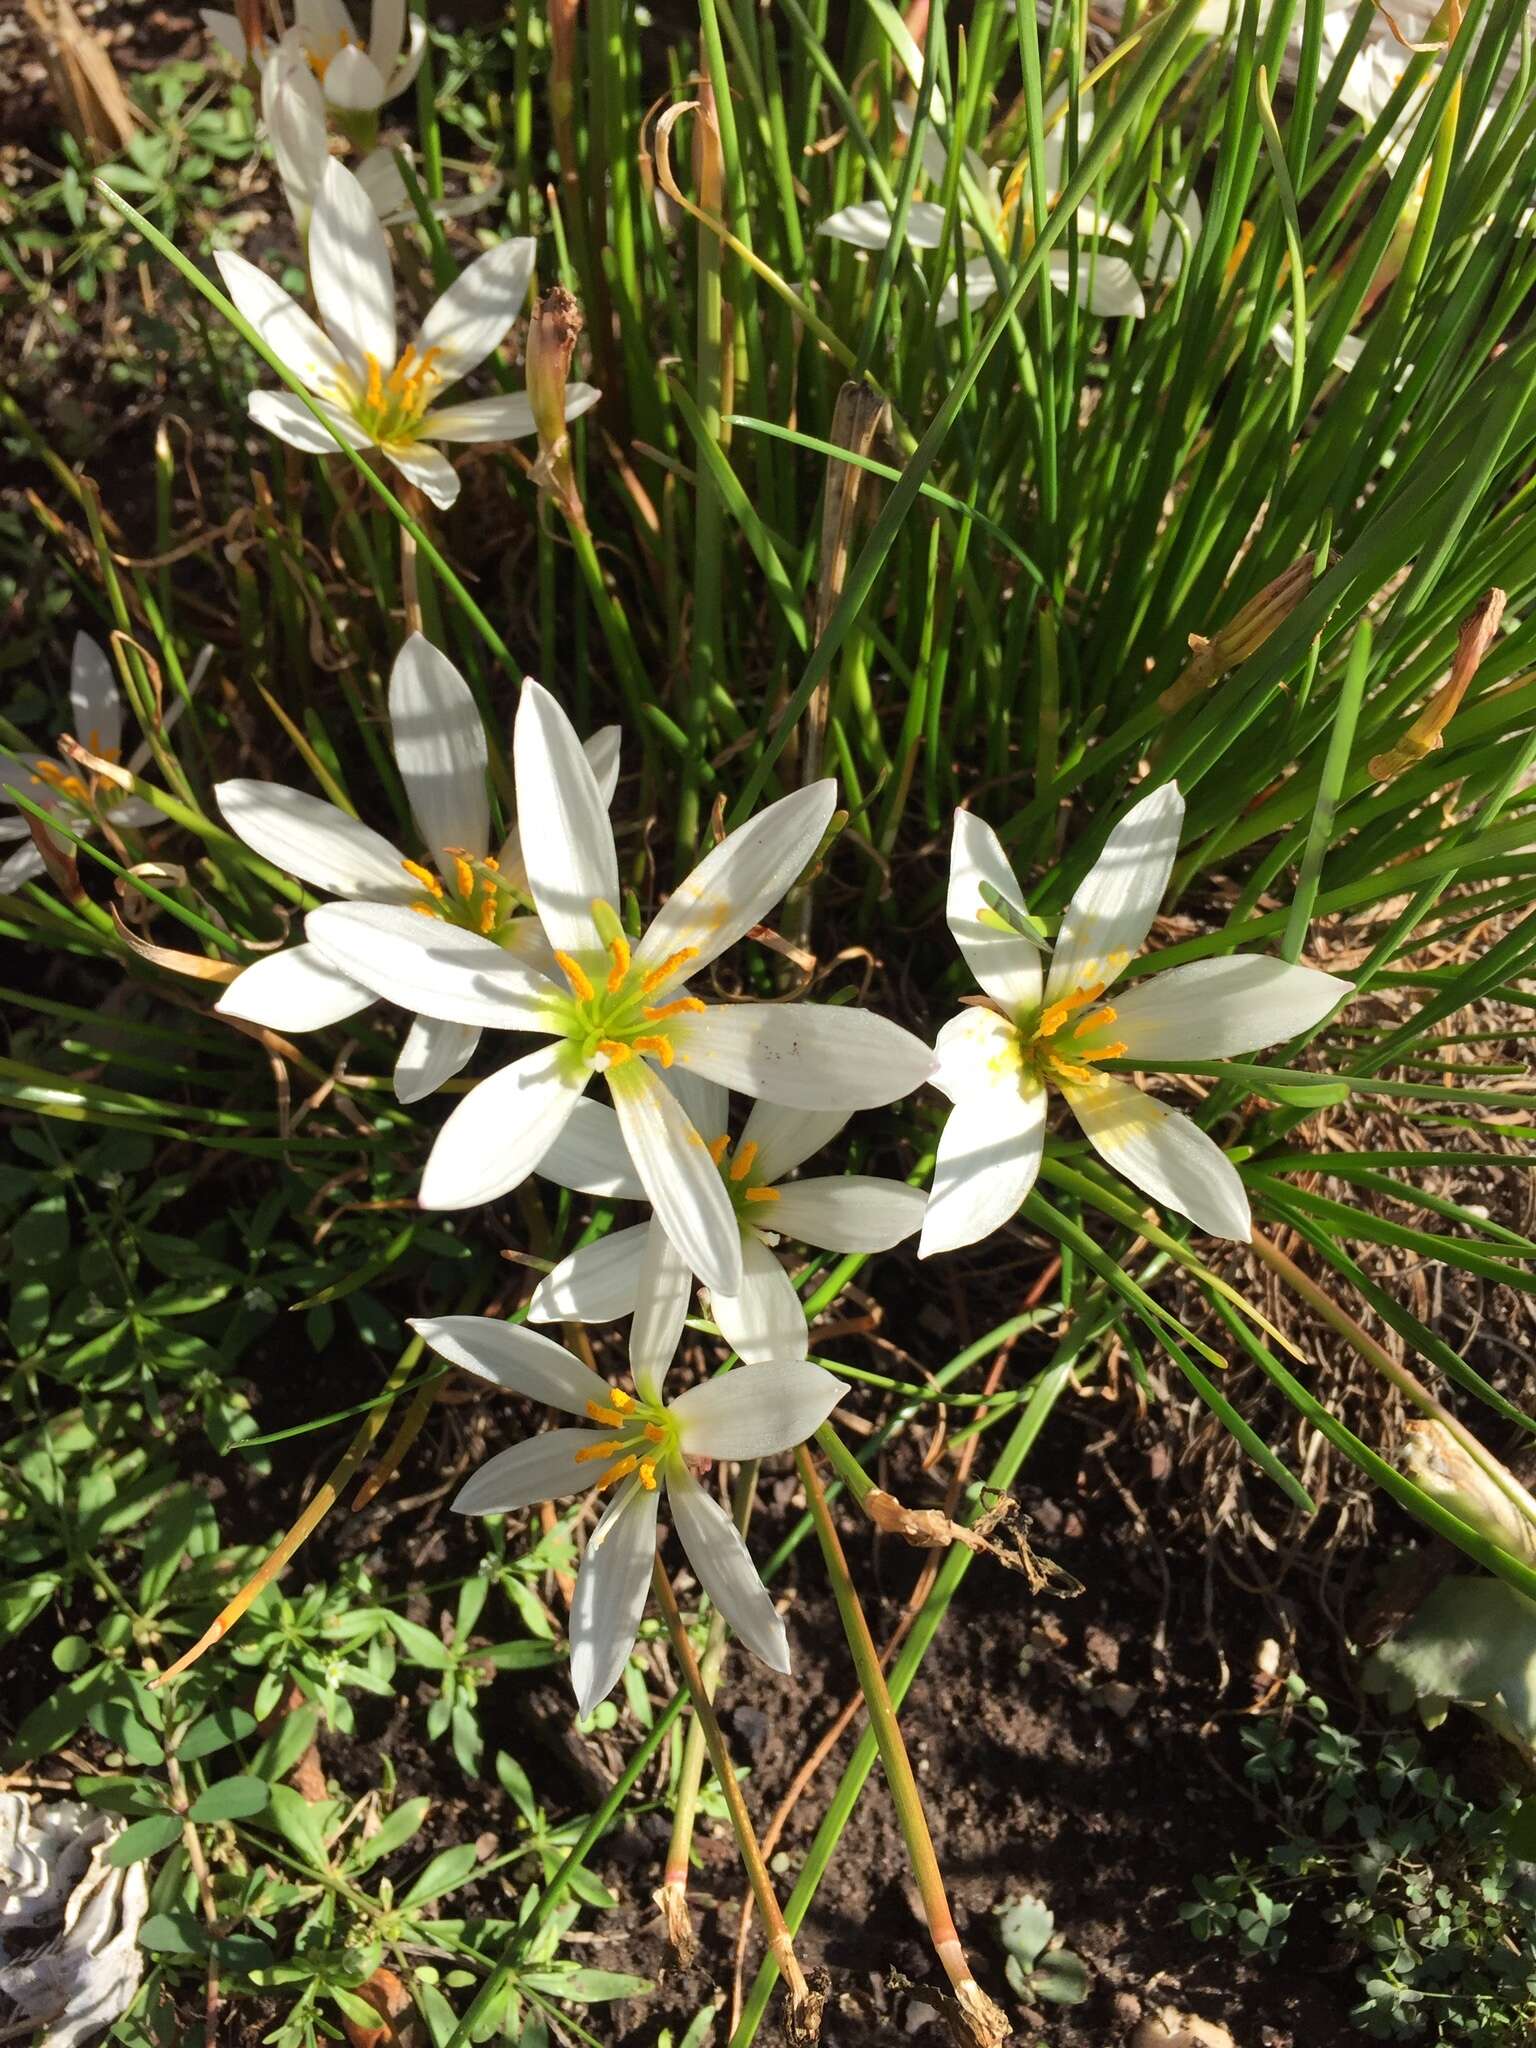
610, 1594
596, 1283
349, 269
988, 1160
439, 745
311, 839
543, 1468
293, 337
590, 1156
1006, 966
851, 1212
501, 1130
765, 1318
429, 967
563, 828
754, 1410
1164, 1154
785, 1137
519, 1360
1215, 1009
661, 1308
680, 1177
294, 990
724, 1569
804, 1055
1109, 917
473, 315
433, 1052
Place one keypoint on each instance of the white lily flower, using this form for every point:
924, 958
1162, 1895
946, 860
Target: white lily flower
61, 787
372, 394
1039, 1031
853, 1212
439, 745
622, 1010
1104, 284
355, 77
640, 1445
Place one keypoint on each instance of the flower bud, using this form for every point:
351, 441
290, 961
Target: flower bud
1498, 1508
1428, 730
1242, 636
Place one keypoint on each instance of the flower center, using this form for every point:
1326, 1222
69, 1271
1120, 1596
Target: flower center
391, 407
644, 1436
1069, 1036
480, 899
319, 57
745, 1192
610, 1016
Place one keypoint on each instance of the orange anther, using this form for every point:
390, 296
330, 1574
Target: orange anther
618, 974
741, 1165
658, 1048
576, 975
672, 1009
647, 1475
425, 876
762, 1195
667, 969
463, 875
616, 1051
590, 1453
720, 1147
621, 1469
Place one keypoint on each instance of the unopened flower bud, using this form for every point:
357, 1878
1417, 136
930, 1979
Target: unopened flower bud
1428, 730
552, 336
1497, 1507
1242, 636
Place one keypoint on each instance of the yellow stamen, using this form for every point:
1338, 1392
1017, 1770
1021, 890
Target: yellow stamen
617, 1471
1068, 1070
654, 1015
590, 1453
1099, 1052
425, 876
658, 1048
648, 1475
1052, 1019
654, 1433
741, 1165
617, 1052
464, 875
375, 392
720, 1146
621, 1400
667, 969
488, 916
611, 1418
576, 975
762, 1194
426, 909
492, 863
618, 974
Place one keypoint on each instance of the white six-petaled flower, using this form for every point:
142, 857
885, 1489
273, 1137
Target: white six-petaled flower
1042, 1030
63, 787
639, 1445
1103, 283
620, 1009
439, 747
371, 392
853, 1212
356, 77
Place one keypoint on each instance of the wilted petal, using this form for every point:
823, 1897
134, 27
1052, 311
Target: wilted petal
680, 1177
1215, 1009
661, 1308
297, 341
852, 1212
440, 747
520, 1360
295, 990
610, 1594
1165, 1155
1006, 966
428, 468
94, 703
733, 887
501, 1130
765, 1318
543, 1468
754, 1410
596, 1283
433, 1052
590, 1156
785, 1137
804, 1055
989, 1156
1109, 917
311, 839
563, 827
475, 312
724, 1569
429, 967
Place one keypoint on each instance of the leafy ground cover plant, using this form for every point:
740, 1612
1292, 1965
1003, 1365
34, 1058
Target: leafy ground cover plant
1170, 578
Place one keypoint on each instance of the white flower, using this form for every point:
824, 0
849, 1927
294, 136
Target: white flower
62, 786
998, 1063
640, 1445
765, 1320
373, 395
622, 1010
439, 745
355, 78
1104, 284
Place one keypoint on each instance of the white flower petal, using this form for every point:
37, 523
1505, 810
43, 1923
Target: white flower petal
415, 49
296, 340
311, 839
349, 269
501, 1130
281, 413
725, 1570
293, 112
765, 1318
24, 865
866, 225
352, 82
597, 1283
386, 35
295, 990
785, 1137
543, 1468
804, 1055
562, 821
428, 469
602, 752
429, 967
1103, 285
440, 747
1214, 1009
132, 811
680, 1177
975, 1050
506, 417
754, 1410
661, 1309
1165, 1155
736, 883
852, 1212
610, 1594
94, 703
1007, 967
706, 1102
1109, 917
519, 1360
980, 285
590, 1156
226, 32
473, 315
989, 1156
433, 1052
